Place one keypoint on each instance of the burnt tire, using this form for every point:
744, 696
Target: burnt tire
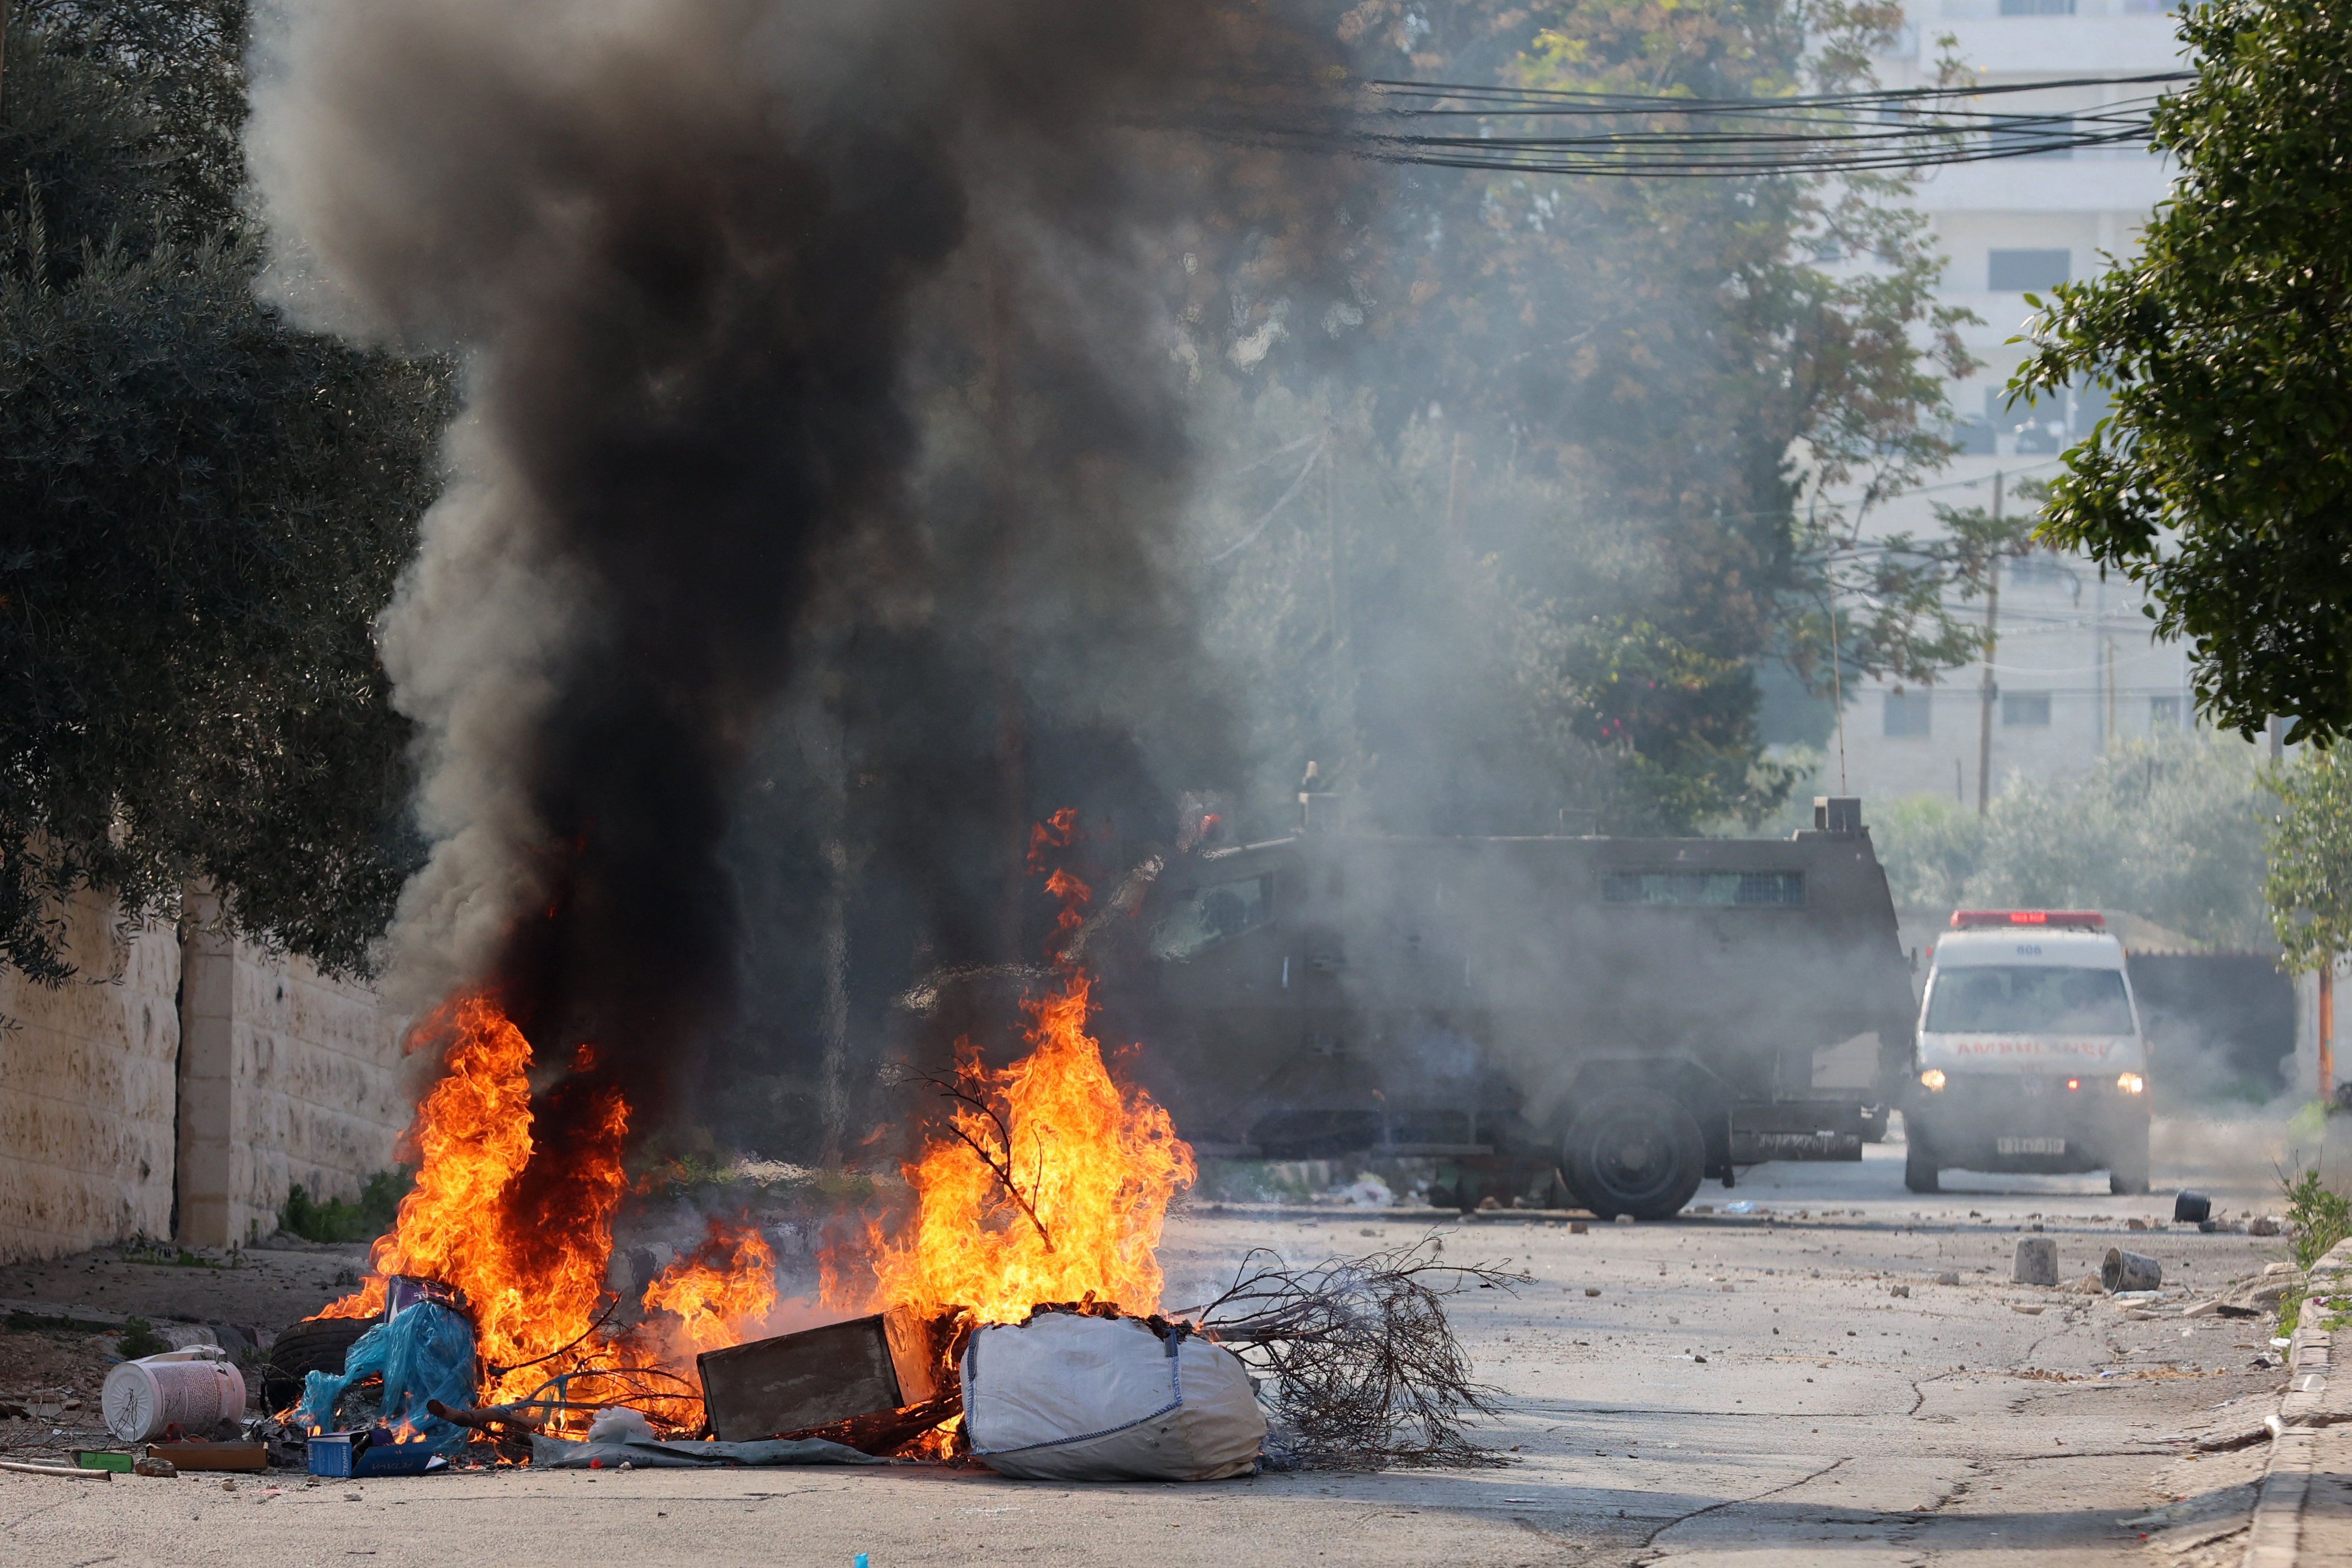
1635, 1151
314, 1344
1920, 1173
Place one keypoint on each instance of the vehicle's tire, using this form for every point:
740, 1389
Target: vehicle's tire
1920, 1173
1636, 1151
2128, 1173
314, 1344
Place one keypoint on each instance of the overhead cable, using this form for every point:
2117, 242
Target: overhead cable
1664, 135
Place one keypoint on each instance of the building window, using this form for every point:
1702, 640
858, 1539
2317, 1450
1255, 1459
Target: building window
2164, 713
2021, 271
2026, 709
2037, 7
1906, 712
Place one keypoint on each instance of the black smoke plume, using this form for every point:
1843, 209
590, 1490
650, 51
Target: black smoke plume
811, 348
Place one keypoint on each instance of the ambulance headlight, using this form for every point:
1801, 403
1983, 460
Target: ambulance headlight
2132, 1084
1933, 1078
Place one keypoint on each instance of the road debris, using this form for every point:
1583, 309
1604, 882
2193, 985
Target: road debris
70, 1472
2121, 1272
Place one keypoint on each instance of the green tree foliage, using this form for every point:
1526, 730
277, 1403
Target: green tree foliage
202, 511
2170, 827
2222, 481
2309, 889
332, 1220
1580, 493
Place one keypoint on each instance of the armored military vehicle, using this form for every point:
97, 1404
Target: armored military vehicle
1634, 1014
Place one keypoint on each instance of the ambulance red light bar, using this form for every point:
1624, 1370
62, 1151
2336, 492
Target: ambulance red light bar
2078, 919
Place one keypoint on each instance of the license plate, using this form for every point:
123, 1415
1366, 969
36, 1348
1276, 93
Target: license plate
2030, 1145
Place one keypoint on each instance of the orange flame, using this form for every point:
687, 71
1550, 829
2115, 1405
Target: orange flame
722, 1290
526, 1231
1053, 1182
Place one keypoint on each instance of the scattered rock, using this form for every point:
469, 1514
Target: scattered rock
1591, 1290
2224, 1439
1577, 1227
1625, 1219
2260, 1297
161, 1469
2037, 1262
2134, 1224
2262, 1225
1948, 1278
1903, 1290
2088, 1285
2033, 1311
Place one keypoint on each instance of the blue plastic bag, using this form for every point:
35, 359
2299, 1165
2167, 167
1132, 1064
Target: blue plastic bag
426, 1353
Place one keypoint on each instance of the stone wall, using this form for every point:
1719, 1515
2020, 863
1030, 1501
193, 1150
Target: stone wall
318, 1099
201, 1073
87, 1094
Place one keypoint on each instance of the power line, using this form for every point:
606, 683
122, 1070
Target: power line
1668, 136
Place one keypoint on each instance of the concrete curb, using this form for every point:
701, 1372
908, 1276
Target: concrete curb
2274, 1538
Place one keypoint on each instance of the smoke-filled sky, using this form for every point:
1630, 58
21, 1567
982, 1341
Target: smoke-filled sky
807, 347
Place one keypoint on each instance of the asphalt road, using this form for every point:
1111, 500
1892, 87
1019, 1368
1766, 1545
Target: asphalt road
1831, 1418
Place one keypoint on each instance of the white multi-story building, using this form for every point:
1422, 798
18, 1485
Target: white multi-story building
2075, 670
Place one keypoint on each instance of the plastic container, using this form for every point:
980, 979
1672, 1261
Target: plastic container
357, 1454
193, 1390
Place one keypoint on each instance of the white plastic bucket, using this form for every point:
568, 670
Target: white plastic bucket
144, 1399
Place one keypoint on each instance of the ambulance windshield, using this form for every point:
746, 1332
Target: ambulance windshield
2029, 1000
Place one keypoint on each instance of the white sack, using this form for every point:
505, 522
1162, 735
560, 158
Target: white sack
620, 1423
1072, 1399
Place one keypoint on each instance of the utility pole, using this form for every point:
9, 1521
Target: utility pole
1991, 643
1837, 685
2110, 744
2327, 1030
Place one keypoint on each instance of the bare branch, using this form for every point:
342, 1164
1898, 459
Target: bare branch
1002, 1168
1361, 1362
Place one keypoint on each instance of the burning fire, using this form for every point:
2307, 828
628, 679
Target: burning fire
727, 1283
1051, 1182
526, 1231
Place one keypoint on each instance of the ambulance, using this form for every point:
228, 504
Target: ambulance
2031, 1056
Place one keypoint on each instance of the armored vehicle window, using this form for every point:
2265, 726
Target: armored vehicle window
1198, 917
1781, 889
2020, 999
